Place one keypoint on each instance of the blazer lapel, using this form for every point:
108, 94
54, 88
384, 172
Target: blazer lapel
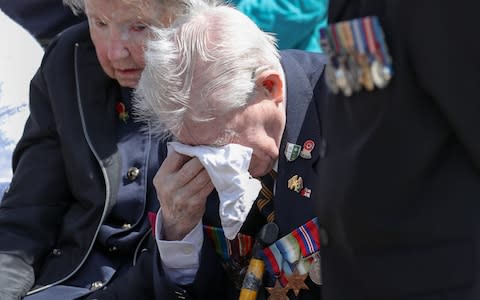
302, 124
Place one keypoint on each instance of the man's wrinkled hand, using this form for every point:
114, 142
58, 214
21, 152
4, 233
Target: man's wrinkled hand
182, 186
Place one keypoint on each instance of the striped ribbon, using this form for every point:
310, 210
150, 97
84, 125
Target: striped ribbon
293, 251
240, 246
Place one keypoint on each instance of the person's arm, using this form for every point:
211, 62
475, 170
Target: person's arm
182, 186
211, 281
32, 208
443, 44
180, 259
16, 278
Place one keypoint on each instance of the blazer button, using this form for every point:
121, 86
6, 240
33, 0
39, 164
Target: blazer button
133, 173
96, 285
57, 252
323, 237
126, 226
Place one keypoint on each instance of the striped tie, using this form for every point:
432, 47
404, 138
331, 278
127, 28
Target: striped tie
264, 200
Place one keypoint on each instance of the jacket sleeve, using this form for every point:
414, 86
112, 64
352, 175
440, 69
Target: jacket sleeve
16, 277
443, 47
32, 209
210, 282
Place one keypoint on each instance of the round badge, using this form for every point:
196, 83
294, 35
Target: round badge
330, 79
355, 73
341, 80
380, 74
308, 145
315, 272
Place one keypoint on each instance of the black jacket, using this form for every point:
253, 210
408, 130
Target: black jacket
401, 181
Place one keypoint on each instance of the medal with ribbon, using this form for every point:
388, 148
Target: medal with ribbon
292, 258
358, 56
235, 253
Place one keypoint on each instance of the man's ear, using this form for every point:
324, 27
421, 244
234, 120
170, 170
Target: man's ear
271, 82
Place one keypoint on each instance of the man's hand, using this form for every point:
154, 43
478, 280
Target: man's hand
182, 185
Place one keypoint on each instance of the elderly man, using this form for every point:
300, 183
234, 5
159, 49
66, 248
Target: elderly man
218, 85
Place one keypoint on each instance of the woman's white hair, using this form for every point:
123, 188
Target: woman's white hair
175, 7
212, 55
77, 6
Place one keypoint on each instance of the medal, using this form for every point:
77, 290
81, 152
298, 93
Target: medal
315, 271
343, 81
330, 79
289, 259
355, 73
361, 57
349, 46
358, 56
296, 282
381, 75
365, 75
277, 292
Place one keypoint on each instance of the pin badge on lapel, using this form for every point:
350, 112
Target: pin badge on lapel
292, 151
307, 149
306, 192
122, 111
295, 183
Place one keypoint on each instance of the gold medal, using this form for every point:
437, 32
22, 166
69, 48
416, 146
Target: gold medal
295, 183
365, 75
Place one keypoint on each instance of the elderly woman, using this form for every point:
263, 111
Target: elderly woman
75, 218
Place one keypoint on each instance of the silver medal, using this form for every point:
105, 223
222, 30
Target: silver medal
381, 74
330, 79
342, 81
315, 271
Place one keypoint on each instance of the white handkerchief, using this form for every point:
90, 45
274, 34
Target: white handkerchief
228, 170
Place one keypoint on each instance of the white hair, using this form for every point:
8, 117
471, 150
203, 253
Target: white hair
77, 6
175, 7
213, 55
